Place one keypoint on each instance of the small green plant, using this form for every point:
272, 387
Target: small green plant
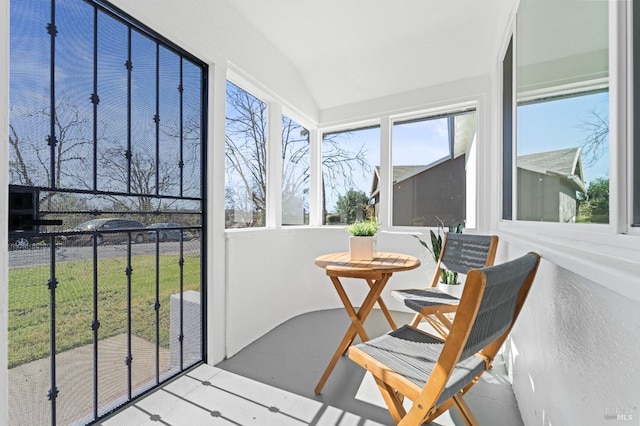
447, 277
363, 229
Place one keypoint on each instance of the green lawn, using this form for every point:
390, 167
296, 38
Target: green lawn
29, 303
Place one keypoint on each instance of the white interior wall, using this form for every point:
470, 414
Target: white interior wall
271, 277
433, 97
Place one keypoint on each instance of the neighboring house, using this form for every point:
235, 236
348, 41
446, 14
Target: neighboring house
551, 180
424, 194
421, 194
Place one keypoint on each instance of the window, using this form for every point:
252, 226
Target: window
562, 159
246, 159
429, 169
562, 144
295, 173
349, 161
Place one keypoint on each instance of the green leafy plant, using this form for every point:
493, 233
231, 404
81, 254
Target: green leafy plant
363, 229
447, 277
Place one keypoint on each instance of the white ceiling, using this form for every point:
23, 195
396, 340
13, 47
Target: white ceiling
354, 50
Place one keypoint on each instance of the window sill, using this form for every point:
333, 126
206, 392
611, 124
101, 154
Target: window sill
611, 260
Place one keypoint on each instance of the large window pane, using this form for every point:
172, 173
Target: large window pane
429, 169
295, 173
246, 159
562, 114
349, 162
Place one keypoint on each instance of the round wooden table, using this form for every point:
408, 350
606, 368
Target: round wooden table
376, 273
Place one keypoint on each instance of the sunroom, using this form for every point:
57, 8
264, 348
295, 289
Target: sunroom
233, 141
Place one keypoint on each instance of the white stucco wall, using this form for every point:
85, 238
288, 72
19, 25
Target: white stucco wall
574, 353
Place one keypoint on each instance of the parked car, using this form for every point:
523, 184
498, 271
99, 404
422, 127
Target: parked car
165, 232
23, 242
103, 234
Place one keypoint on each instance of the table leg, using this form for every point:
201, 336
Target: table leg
357, 321
375, 290
383, 308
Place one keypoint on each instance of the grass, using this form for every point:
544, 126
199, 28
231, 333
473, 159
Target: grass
29, 303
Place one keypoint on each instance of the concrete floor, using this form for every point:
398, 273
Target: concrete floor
271, 382
30, 382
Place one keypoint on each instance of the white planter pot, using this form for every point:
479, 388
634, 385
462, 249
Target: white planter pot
454, 290
362, 248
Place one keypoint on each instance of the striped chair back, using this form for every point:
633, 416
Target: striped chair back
463, 252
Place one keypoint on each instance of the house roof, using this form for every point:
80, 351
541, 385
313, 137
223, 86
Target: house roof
566, 163
401, 173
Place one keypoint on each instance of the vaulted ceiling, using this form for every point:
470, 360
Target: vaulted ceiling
353, 50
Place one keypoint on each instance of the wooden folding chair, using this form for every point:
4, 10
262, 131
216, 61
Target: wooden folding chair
434, 373
460, 253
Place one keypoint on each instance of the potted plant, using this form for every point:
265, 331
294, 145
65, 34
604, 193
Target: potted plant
447, 278
362, 241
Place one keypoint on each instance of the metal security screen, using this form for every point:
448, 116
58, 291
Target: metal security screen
107, 148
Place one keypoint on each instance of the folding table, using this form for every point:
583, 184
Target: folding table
376, 273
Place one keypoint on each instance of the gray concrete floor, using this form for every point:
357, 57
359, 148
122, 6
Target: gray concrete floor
271, 382
29, 383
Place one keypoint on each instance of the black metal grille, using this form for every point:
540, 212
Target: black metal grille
106, 281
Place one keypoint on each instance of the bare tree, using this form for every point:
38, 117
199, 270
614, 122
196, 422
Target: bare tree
138, 173
339, 166
18, 169
596, 143
30, 162
246, 145
70, 139
189, 134
246, 154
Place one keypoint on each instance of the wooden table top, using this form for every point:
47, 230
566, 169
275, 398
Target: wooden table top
382, 263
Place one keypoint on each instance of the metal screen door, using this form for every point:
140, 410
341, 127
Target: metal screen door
107, 148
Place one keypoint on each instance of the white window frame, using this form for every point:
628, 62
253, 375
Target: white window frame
276, 108
607, 254
472, 173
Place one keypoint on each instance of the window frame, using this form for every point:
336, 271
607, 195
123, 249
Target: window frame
351, 127
307, 187
606, 254
268, 166
634, 116
276, 108
449, 112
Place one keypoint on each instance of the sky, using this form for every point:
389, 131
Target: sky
559, 124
